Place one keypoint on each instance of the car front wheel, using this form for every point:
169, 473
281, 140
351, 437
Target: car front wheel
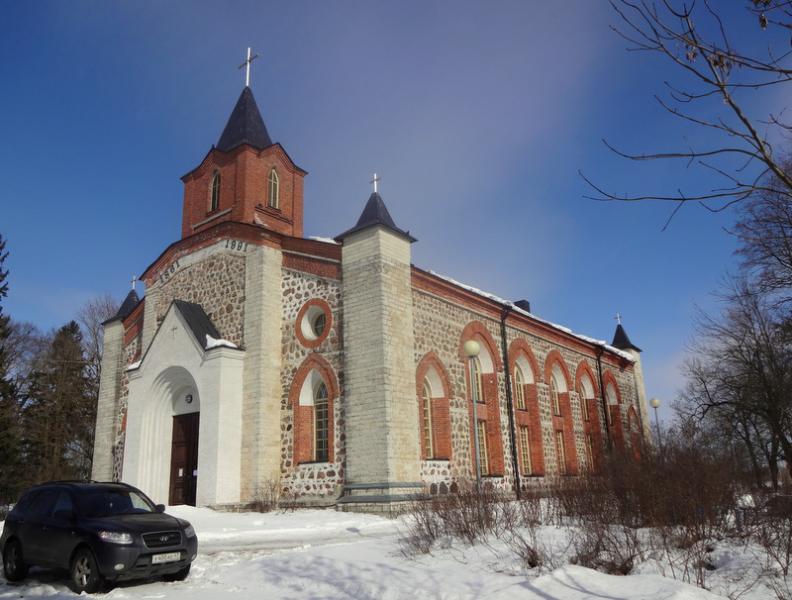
14, 568
85, 576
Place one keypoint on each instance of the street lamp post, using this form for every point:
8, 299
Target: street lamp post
655, 403
472, 349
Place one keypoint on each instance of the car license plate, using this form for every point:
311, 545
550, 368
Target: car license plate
158, 559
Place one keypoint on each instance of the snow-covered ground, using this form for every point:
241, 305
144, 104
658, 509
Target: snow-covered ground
326, 554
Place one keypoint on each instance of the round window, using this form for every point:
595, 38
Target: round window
319, 324
313, 323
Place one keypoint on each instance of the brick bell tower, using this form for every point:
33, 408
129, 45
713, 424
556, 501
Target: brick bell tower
245, 178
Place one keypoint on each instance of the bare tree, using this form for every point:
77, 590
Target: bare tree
741, 373
716, 67
91, 316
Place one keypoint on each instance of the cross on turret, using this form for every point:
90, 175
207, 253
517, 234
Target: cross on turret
246, 66
375, 181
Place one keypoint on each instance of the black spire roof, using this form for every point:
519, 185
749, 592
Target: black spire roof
375, 213
621, 341
245, 125
126, 308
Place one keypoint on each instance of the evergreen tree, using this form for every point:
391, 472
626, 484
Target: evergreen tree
60, 412
10, 434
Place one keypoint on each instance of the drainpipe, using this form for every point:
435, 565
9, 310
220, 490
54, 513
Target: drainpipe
509, 402
600, 352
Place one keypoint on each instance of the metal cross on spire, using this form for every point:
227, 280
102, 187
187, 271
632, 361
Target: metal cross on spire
246, 66
375, 181
618, 318
134, 282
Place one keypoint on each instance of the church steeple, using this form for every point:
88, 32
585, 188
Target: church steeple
245, 125
621, 341
375, 213
245, 178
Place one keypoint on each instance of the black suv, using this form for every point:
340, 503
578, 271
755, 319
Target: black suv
101, 532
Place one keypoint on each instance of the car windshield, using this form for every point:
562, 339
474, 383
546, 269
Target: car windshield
105, 503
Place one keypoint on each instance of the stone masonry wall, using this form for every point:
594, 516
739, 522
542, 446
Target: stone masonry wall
217, 283
438, 328
310, 480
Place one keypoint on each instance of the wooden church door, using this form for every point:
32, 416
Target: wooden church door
184, 459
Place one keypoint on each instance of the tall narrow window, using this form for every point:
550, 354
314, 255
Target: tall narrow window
476, 378
560, 452
525, 451
481, 427
584, 403
321, 424
555, 397
590, 451
273, 185
214, 203
427, 419
519, 388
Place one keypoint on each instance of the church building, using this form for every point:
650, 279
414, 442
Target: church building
336, 371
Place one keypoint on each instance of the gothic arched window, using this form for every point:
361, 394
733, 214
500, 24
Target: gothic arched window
273, 189
426, 419
214, 203
519, 388
475, 376
321, 424
554, 397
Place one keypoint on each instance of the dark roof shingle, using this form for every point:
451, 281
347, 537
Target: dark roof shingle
375, 213
245, 125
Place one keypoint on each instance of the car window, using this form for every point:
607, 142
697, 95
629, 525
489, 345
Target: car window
108, 502
41, 505
23, 505
63, 503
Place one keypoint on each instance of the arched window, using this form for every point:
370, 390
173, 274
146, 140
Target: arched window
214, 203
554, 397
483, 454
519, 388
426, 419
321, 424
525, 450
584, 408
273, 187
475, 375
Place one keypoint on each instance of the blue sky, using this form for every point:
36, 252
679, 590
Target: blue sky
477, 116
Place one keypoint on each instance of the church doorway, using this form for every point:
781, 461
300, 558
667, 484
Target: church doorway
184, 459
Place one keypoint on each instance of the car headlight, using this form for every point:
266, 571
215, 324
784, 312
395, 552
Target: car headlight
115, 537
189, 531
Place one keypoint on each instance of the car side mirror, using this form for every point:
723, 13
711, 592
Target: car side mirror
160, 508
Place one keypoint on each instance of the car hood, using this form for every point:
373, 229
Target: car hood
140, 523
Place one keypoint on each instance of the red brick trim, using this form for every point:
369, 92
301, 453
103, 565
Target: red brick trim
564, 423
608, 377
303, 416
477, 331
554, 356
440, 408
325, 307
133, 324
521, 346
312, 265
428, 282
584, 368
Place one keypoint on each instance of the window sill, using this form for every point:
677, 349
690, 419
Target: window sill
315, 462
436, 459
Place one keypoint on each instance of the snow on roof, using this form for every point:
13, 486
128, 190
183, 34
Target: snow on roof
218, 343
517, 309
317, 238
133, 366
